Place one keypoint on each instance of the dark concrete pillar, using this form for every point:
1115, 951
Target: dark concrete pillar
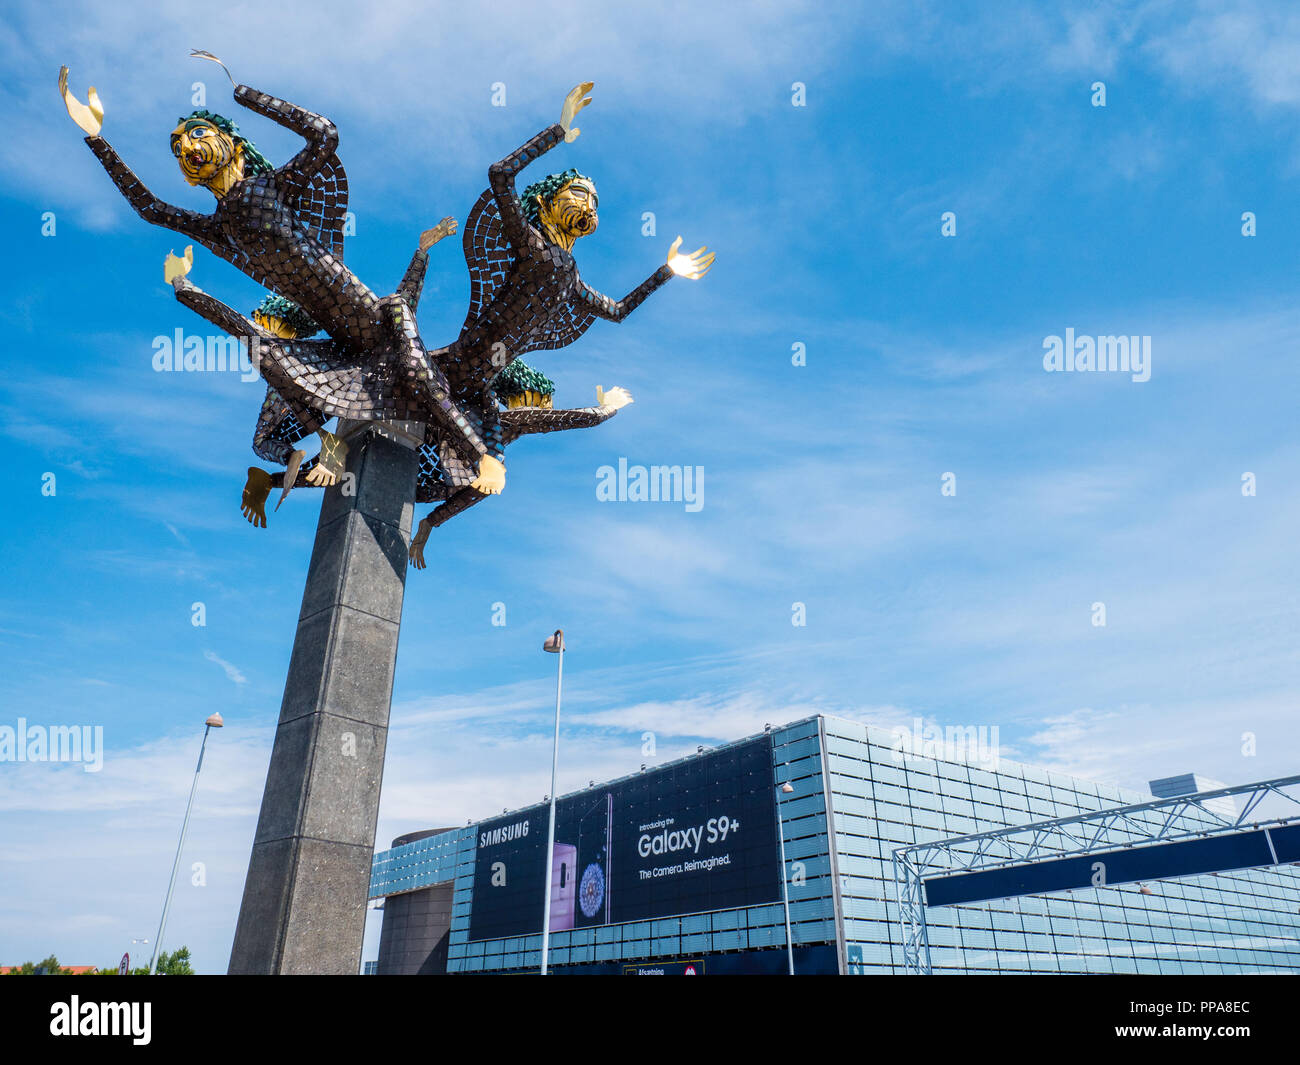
304, 907
416, 932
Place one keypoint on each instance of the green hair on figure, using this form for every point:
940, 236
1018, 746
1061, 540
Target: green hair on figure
538, 192
289, 313
518, 378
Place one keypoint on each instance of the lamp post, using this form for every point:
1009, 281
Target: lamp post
785, 878
214, 721
554, 645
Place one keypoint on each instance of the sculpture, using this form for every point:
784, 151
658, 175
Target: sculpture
525, 290
528, 397
283, 227
296, 404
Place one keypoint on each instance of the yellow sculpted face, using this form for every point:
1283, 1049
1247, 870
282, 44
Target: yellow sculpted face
275, 326
203, 151
571, 212
529, 399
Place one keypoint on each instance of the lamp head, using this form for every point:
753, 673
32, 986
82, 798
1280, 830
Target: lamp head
214, 721
555, 642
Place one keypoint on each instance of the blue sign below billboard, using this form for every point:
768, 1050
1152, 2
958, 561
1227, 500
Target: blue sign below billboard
1212, 854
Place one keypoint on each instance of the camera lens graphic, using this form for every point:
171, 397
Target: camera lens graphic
591, 892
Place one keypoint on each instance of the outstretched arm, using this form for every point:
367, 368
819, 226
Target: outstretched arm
321, 134
265, 351
694, 265
524, 421
90, 117
413, 282
501, 179
225, 318
188, 223
616, 310
501, 176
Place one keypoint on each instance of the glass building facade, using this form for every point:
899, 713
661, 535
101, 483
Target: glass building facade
858, 793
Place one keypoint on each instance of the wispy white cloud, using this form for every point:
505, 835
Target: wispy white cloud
138, 59
123, 822
231, 671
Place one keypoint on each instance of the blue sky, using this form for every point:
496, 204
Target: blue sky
821, 482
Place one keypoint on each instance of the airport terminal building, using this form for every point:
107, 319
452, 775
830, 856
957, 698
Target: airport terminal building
677, 869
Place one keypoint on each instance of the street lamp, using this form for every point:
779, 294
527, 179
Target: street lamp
214, 721
134, 941
787, 789
554, 645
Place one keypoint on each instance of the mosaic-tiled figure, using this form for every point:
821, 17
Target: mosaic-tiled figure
525, 291
276, 337
283, 227
443, 477
528, 397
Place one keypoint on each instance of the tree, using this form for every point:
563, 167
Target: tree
176, 963
49, 967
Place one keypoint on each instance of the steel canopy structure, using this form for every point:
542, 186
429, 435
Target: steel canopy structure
1163, 839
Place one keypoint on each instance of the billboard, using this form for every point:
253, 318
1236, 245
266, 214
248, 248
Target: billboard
696, 836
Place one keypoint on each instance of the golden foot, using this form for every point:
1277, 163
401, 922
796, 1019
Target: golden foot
491, 477
330, 462
256, 489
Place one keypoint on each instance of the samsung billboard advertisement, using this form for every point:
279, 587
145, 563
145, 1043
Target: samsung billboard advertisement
696, 836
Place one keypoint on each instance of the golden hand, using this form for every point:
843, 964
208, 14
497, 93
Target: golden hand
694, 266
175, 266
416, 552
491, 477
573, 103
89, 118
618, 398
430, 237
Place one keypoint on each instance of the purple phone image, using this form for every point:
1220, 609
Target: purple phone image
564, 885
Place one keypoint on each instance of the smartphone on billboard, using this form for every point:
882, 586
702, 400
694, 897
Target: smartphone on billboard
564, 886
